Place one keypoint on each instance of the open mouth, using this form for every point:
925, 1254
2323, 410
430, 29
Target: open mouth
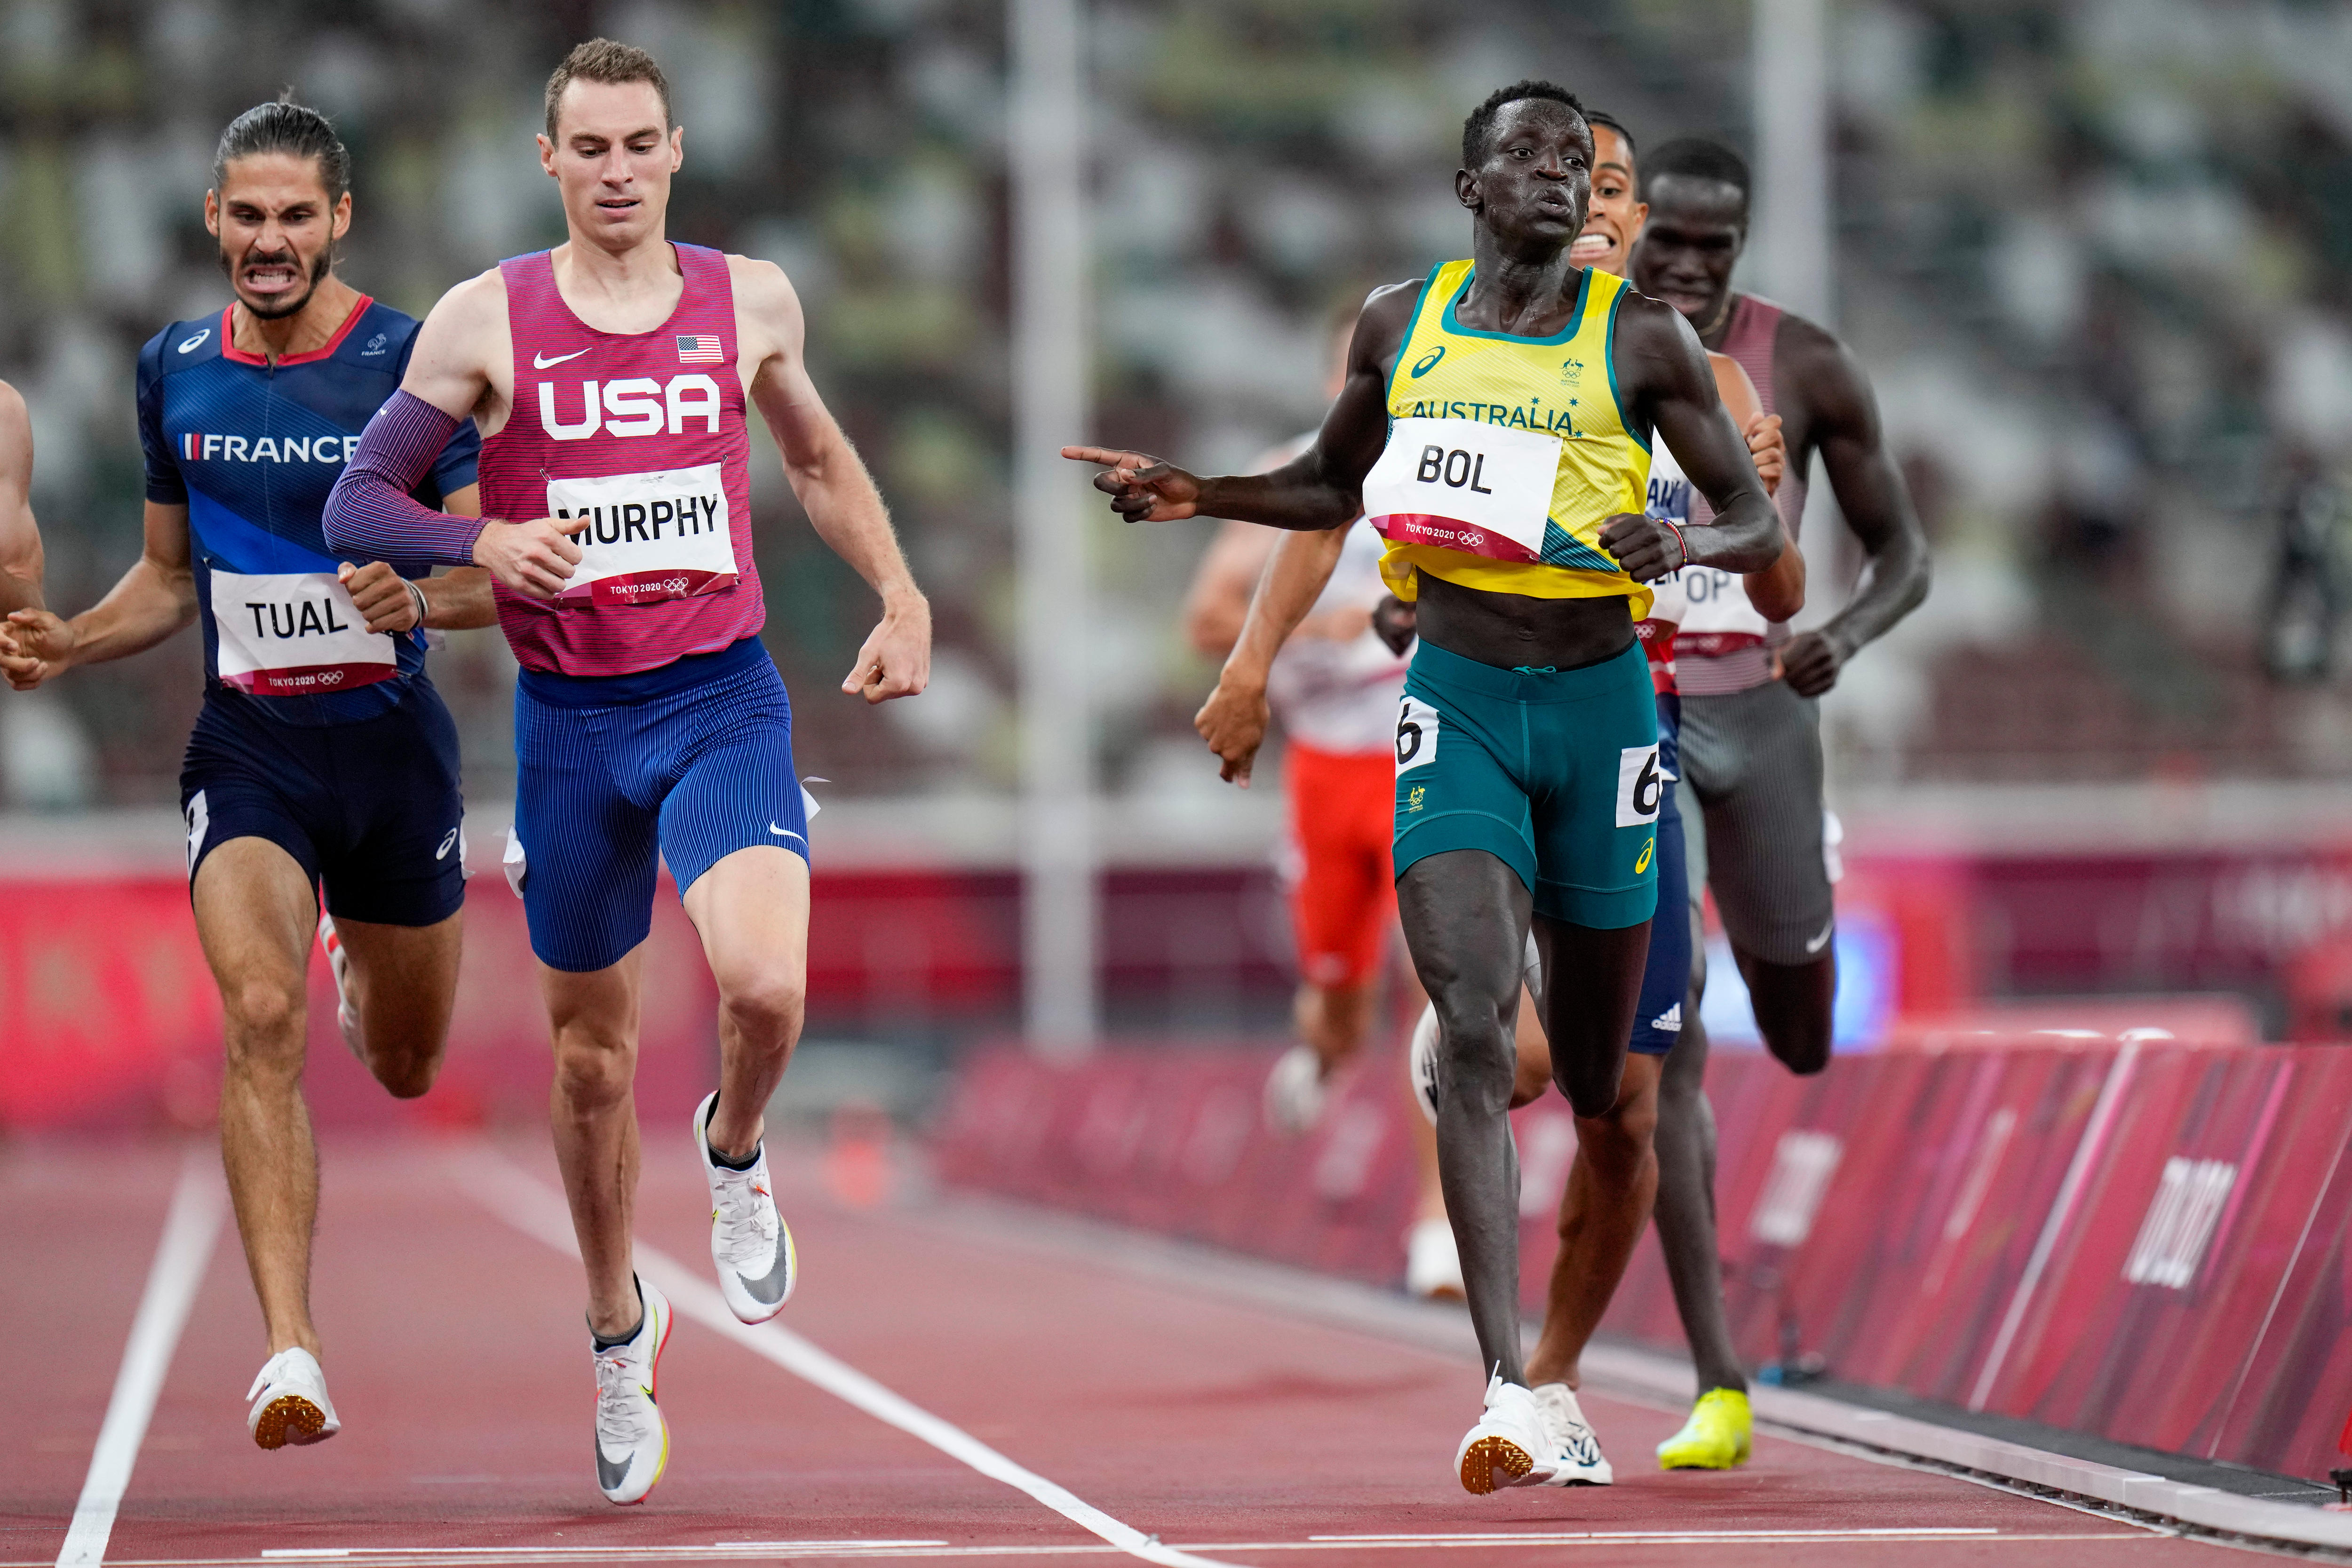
1591, 245
617, 206
267, 278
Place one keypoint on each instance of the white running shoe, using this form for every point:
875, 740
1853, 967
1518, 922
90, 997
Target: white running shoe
1576, 1452
631, 1438
748, 1239
1421, 1067
1510, 1447
289, 1402
338, 964
1432, 1263
1295, 1095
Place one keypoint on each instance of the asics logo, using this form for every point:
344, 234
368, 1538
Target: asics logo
540, 362
449, 842
1428, 361
190, 345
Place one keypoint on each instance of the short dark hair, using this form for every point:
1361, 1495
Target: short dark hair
286, 126
1696, 158
1599, 117
1478, 131
602, 60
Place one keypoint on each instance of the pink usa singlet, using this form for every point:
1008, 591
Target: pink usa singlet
644, 435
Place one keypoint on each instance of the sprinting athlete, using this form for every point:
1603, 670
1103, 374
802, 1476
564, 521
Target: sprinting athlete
1574, 1304
1335, 681
20, 536
322, 753
1495, 426
613, 376
1750, 738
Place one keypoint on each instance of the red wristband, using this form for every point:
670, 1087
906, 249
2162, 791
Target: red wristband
1680, 543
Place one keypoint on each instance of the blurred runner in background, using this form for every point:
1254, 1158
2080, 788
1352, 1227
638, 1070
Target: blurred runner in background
20, 536
1334, 684
322, 753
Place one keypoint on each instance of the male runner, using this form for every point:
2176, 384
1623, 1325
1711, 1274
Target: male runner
1751, 739
647, 716
322, 752
1335, 681
20, 536
1495, 426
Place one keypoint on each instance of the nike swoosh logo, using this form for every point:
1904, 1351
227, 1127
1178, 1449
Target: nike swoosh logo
540, 362
1821, 940
784, 832
609, 1475
769, 1288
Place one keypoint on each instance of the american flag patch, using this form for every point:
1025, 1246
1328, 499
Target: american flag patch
700, 348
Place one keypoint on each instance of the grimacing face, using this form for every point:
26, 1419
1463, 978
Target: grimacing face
277, 230
612, 157
1614, 219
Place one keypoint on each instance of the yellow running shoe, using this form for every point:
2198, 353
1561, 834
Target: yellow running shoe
1716, 1437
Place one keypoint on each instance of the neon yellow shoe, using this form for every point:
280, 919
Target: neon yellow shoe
1716, 1437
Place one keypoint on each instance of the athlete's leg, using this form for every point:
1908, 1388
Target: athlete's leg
1794, 1003
752, 911
1686, 1222
1334, 1020
1612, 1185
592, 1107
402, 987
256, 915
1465, 919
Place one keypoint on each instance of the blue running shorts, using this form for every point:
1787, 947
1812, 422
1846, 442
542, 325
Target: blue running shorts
1665, 980
692, 762
372, 808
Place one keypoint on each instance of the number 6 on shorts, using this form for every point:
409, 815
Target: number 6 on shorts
1416, 734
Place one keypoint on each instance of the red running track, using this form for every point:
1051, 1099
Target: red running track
1239, 1431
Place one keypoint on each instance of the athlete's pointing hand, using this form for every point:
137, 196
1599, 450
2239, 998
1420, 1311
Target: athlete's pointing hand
535, 558
1141, 489
34, 646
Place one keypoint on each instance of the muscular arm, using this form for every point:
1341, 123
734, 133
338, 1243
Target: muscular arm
1843, 425
1779, 591
1321, 488
1665, 371
1232, 721
156, 598
1217, 604
20, 537
833, 484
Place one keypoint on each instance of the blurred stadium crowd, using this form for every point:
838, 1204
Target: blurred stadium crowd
2096, 256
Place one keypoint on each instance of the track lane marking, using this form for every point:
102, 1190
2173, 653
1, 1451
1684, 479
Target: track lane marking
190, 1228
526, 1557
538, 1211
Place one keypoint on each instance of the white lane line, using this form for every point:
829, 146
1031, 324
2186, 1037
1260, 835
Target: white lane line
526, 1557
537, 1210
189, 1231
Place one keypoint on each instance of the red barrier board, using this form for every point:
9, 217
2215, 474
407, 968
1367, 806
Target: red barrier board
2152, 1242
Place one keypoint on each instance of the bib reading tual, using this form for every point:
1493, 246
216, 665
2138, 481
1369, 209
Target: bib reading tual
1462, 484
649, 536
295, 633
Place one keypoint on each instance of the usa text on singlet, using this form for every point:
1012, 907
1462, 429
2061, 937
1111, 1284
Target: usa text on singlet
643, 435
1506, 453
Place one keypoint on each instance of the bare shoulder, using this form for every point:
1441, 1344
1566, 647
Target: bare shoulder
1812, 358
16, 419
768, 319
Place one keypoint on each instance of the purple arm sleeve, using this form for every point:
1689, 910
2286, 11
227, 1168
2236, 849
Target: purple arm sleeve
372, 515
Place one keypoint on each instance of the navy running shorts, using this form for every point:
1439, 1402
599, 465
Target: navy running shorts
1666, 977
372, 808
690, 761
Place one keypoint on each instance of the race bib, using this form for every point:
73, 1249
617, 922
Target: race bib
1640, 786
295, 633
1717, 618
649, 536
1462, 484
